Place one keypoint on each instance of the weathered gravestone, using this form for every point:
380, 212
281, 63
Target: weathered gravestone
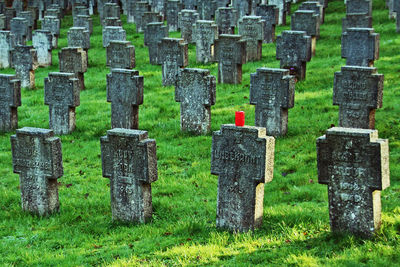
195, 90
42, 42
24, 61
79, 37
282, 7
35, 15
6, 47
153, 35
80, 10
186, 19
18, 5
110, 10
272, 91
205, 32
10, 100
171, 12
230, 52
360, 46
19, 28
226, 18
243, 7
174, 56
354, 163
52, 13
130, 10
10, 13
251, 29
112, 21
129, 160
206, 9
243, 159
293, 49
113, 33
356, 21
308, 21
316, 7
37, 158
28, 15
52, 24
359, 6
189, 4
120, 55
358, 92
270, 14
139, 8
125, 92
158, 6
149, 17
84, 21
62, 95
73, 60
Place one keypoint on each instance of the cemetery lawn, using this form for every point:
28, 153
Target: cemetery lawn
295, 229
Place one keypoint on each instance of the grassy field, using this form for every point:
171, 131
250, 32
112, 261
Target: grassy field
295, 231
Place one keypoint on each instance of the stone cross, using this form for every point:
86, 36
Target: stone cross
354, 163
10, 13
172, 10
358, 93
84, 21
80, 10
158, 6
52, 13
282, 7
186, 19
270, 14
206, 9
42, 42
195, 90
73, 60
356, 21
360, 47
174, 56
24, 59
359, 6
52, 24
272, 91
111, 10
6, 47
154, 33
147, 18
316, 7
19, 27
230, 52
113, 33
125, 92
293, 49
189, 4
139, 8
243, 7
251, 28
28, 15
226, 18
37, 158
10, 100
120, 55
243, 159
79, 37
112, 21
129, 160
308, 21
62, 95
205, 32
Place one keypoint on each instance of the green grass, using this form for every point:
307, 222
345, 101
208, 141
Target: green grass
295, 231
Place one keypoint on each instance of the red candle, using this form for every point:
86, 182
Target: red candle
239, 118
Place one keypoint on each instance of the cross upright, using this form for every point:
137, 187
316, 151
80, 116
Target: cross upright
272, 91
113, 33
174, 56
186, 19
153, 34
356, 21
226, 18
149, 17
52, 24
308, 21
62, 95
354, 163
172, 9
282, 6
37, 158
74, 60
125, 92
243, 159
195, 90
251, 28
83, 21
24, 61
129, 160
19, 27
270, 14
293, 49
120, 55
316, 7
358, 93
360, 47
205, 32
10, 100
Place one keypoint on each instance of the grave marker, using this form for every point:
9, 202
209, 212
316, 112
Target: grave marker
42, 42
24, 61
120, 55
359, 7
10, 100
73, 60
308, 21
171, 12
356, 21
174, 56
186, 19
251, 29
113, 33
360, 46
282, 7
84, 21
52, 24
205, 32
6, 47
226, 18
149, 17
316, 7
206, 9
270, 14
153, 35
19, 28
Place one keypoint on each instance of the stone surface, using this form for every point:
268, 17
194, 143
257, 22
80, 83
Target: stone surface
129, 160
113, 33
354, 163
10, 100
19, 28
10, 13
356, 21
293, 49
359, 6
270, 14
62, 95
360, 46
7, 45
42, 42
84, 21
140, 7
79, 37
73, 60
171, 12
149, 17
226, 18
230, 52
205, 32
243, 7
272, 91
121, 55
37, 158
251, 28
282, 7
186, 19
52, 24
195, 90
306, 20
24, 59
112, 21
28, 15
110, 10
174, 56
125, 92
206, 9
243, 159
316, 7
358, 92
153, 35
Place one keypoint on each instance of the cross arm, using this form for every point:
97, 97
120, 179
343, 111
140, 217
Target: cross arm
150, 173
54, 147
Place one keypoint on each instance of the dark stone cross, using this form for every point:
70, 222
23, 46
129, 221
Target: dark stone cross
356, 21
79, 37
6, 47
359, 6
186, 19
226, 18
120, 55
251, 30
125, 92
140, 7
316, 7
73, 60
174, 56
358, 92
83, 21
10, 100
53, 25
272, 91
147, 18
308, 21
206, 9
243, 159
37, 158
129, 160
24, 61
173, 7
282, 6
354, 163
195, 90
19, 27
111, 33
62, 95
153, 34
270, 14
205, 32
42, 42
